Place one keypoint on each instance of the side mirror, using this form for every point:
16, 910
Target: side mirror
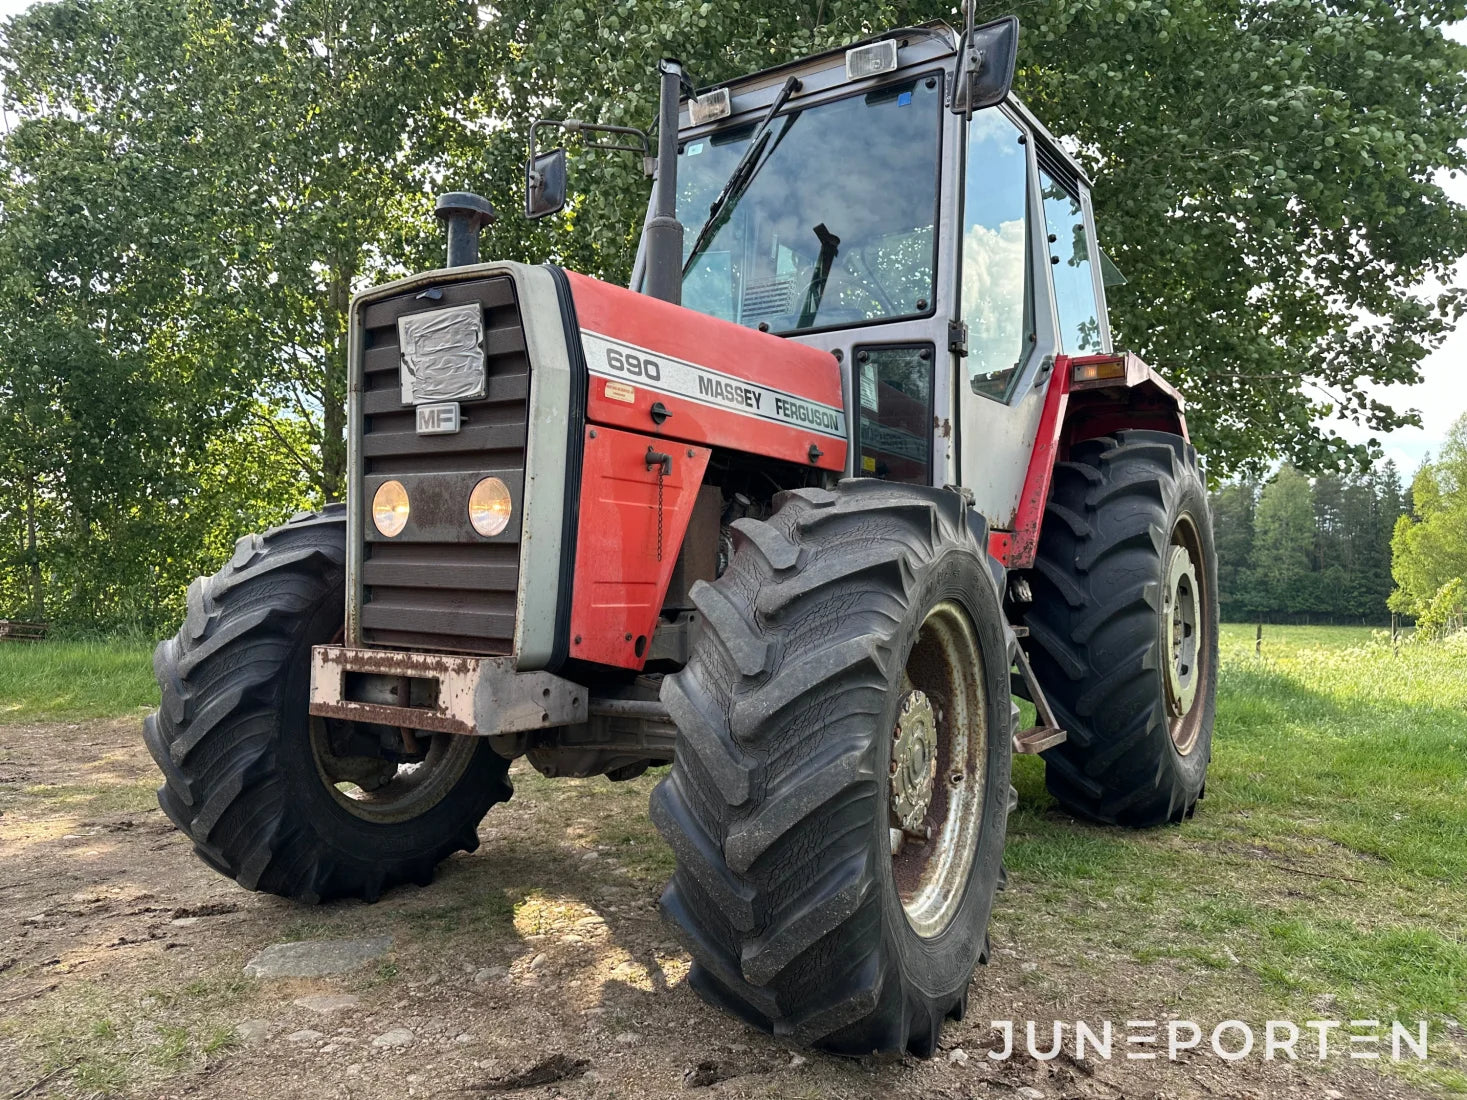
986, 65
545, 183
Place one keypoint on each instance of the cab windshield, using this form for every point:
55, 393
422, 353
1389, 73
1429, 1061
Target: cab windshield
836, 225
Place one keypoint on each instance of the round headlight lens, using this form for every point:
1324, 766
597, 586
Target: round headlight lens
390, 508
490, 506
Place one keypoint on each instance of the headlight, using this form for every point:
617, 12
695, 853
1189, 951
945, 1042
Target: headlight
490, 506
390, 508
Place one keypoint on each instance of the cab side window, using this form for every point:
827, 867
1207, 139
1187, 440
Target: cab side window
997, 295
895, 426
1074, 284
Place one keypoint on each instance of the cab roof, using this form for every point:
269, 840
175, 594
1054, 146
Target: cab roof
919, 46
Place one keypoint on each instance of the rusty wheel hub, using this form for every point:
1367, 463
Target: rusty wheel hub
913, 763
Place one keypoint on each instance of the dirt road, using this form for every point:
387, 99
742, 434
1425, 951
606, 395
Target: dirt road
535, 967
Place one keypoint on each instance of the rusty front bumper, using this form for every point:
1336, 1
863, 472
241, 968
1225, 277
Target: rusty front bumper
475, 696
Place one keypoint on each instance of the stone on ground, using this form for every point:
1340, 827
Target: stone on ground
397, 1037
250, 1032
327, 1003
316, 958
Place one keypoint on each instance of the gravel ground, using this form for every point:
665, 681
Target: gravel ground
536, 967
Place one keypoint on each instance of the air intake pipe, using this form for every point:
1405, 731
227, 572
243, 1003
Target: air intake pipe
464, 214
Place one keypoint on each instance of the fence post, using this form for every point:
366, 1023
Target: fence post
1258, 640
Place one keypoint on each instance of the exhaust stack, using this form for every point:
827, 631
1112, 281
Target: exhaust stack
464, 214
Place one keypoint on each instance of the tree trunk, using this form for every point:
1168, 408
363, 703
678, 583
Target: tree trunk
32, 554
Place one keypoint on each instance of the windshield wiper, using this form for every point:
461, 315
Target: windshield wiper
829, 246
743, 171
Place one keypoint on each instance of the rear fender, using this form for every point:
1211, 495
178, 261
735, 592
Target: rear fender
1111, 393
1089, 396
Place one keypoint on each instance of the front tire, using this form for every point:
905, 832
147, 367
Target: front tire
251, 777
838, 801
1123, 628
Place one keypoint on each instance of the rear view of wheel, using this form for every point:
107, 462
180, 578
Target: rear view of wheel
839, 796
271, 797
1123, 628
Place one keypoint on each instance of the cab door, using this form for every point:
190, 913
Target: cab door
1073, 260
1029, 290
1006, 301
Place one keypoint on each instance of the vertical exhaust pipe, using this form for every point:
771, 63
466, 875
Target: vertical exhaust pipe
464, 214
663, 232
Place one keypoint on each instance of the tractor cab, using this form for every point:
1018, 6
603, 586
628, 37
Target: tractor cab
947, 255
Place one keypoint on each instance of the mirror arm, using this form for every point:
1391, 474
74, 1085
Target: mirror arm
974, 59
575, 126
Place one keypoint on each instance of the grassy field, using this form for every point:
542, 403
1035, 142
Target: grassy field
1323, 877
63, 681
1325, 873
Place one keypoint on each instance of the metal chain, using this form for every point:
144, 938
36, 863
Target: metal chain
661, 473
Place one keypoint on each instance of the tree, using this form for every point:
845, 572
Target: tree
1429, 547
1282, 541
1233, 506
192, 192
1348, 576
1265, 177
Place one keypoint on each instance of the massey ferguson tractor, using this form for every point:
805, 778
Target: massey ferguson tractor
851, 466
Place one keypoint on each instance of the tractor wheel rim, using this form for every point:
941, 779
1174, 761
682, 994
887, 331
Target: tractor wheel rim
384, 792
1184, 623
938, 772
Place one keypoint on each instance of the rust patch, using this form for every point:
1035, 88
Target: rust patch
434, 721
455, 676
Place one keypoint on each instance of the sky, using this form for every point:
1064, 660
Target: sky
1440, 397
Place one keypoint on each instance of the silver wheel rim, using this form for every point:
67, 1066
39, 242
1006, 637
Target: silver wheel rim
938, 770
1184, 625
380, 791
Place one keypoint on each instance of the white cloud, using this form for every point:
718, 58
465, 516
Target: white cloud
993, 299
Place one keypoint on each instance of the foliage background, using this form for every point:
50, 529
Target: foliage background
191, 189
1292, 550
1429, 546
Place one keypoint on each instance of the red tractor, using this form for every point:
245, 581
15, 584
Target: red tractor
850, 466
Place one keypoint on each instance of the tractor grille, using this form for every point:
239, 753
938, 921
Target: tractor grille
440, 586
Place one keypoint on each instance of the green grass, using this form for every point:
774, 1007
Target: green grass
109, 1041
61, 681
1327, 865
85, 799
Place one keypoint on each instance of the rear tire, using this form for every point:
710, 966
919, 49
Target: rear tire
837, 621
1109, 632
241, 758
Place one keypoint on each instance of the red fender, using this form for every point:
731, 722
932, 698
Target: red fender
1090, 396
